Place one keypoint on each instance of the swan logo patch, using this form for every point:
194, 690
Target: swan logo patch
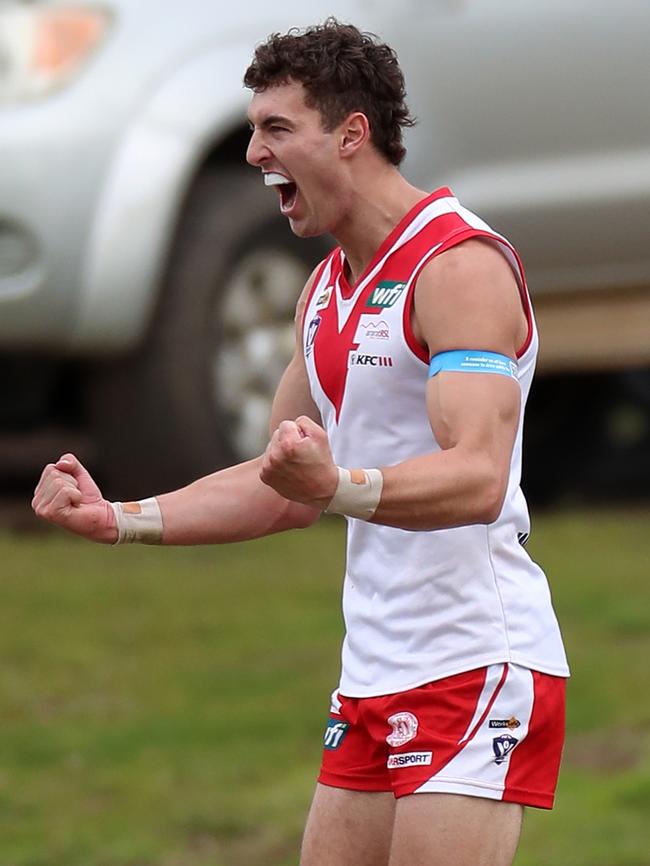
405, 729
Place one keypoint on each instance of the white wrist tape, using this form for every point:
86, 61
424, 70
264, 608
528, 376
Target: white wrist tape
357, 493
138, 522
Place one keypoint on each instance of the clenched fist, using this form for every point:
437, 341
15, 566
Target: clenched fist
298, 463
67, 496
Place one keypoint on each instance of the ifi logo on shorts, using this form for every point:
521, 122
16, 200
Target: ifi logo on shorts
386, 293
405, 728
334, 734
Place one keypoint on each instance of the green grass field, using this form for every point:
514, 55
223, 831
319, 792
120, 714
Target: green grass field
165, 707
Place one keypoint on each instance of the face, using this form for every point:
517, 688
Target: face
298, 158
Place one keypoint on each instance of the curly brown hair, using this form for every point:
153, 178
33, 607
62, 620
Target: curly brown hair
342, 70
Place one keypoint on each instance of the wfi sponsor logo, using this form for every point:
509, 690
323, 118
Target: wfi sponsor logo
335, 734
386, 293
408, 759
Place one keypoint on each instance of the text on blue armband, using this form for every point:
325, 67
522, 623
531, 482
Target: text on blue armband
464, 361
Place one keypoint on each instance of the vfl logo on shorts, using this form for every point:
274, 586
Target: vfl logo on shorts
334, 734
405, 728
502, 747
408, 759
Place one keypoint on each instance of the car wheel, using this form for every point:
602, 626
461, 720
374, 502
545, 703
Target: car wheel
197, 394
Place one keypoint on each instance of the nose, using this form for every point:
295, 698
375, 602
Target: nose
256, 151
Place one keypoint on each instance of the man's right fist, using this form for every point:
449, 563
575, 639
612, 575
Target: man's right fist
67, 496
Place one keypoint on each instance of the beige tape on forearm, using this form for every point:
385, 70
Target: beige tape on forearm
138, 522
357, 493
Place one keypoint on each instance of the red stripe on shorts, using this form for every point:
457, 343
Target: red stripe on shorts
535, 763
487, 709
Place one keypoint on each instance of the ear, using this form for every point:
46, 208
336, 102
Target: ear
355, 132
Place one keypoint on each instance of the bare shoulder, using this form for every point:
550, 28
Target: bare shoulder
469, 297
472, 268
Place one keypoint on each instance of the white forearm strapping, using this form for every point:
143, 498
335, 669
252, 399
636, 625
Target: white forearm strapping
357, 493
138, 522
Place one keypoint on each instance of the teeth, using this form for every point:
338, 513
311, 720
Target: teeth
272, 178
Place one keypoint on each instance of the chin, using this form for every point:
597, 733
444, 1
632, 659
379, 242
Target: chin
304, 230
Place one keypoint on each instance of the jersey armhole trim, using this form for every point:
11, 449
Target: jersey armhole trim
420, 350
319, 273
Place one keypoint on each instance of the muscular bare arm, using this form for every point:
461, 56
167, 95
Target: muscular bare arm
467, 298
230, 505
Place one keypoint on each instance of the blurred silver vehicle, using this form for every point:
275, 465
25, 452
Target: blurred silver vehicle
148, 281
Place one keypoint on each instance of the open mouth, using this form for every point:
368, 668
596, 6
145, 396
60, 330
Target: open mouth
287, 189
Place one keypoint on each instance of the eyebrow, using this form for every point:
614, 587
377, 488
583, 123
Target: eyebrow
272, 119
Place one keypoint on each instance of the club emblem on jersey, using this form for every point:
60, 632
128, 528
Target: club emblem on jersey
502, 747
324, 298
334, 734
385, 293
405, 728
311, 334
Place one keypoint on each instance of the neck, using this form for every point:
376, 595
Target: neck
381, 197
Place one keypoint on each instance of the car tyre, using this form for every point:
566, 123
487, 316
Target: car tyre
196, 395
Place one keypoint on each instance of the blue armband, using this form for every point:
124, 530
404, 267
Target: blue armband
464, 361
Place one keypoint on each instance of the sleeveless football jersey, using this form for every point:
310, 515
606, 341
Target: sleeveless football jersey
418, 606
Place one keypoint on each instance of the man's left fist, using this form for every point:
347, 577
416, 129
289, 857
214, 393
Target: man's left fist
298, 463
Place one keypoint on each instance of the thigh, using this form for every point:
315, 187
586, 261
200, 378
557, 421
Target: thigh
454, 830
348, 828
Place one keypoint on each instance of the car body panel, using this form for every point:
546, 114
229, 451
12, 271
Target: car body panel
536, 115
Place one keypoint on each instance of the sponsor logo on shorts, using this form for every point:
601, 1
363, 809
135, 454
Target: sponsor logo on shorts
311, 334
405, 728
386, 293
408, 759
510, 723
502, 746
357, 360
335, 734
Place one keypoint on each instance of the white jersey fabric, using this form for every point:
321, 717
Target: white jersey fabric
418, 606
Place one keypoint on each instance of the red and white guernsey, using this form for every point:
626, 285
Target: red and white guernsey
418, 606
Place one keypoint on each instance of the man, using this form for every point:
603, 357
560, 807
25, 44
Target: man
402, 409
